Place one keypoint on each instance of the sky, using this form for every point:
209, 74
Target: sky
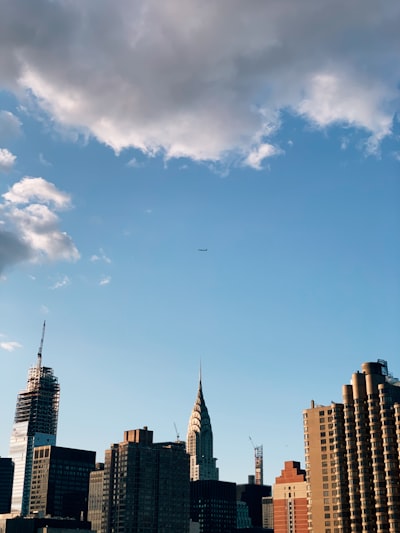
135, 134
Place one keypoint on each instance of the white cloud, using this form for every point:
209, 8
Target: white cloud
333, 99
44, 161
261, 152
37, 189
10, 346
62, 282
7, 160
105, 280
133, 75
31, 230
100, 257
134, 163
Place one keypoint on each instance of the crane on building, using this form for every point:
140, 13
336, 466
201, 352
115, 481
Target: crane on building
177, 433
258, 463
39, 362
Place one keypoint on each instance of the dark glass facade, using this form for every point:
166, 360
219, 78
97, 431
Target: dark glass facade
252, 495
60, 481
6, 483
213, 505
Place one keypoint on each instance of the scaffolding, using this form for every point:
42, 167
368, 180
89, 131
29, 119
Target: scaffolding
258, 463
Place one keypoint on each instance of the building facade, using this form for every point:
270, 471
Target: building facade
252, 494
146, 486
213, 506
35, 424
6, 483
95, 500
42, 525
268, 513
352, 456
290, 500
199, 442
60, 481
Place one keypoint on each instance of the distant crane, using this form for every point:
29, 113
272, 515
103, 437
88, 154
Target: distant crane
258, 460
39, 362
177, 433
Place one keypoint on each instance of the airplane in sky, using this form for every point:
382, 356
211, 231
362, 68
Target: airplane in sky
202, 249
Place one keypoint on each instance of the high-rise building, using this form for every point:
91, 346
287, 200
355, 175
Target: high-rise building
213, 506
290, 500
252, 494
6, 483
95, 501
199, 442
146, 486
35, 424
60, 481
352, 456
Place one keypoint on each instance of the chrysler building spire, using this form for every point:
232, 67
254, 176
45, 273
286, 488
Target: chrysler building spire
199, 442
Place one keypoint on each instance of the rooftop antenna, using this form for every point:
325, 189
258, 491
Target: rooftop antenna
258, 460
39, 361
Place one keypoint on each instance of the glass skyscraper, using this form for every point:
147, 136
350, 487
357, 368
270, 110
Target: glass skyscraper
35, 424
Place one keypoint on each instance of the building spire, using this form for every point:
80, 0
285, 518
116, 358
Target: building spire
39, 355
200, 375
199, 441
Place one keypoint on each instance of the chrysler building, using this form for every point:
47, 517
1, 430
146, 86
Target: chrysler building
199, 442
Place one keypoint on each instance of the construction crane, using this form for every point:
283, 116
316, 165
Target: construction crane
177, 433
258, 463
39, 362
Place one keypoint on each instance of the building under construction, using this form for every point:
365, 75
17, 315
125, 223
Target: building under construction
35, 424
258, 463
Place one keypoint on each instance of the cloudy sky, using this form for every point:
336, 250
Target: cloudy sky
133, 134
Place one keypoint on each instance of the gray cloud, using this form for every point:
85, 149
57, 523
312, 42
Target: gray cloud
202, 78
30, 226
12, 250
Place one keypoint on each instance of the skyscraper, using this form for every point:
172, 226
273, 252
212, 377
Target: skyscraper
213, 505
199, 442
252, 494
60, 481
146, 486
352, 456
95, 499
35, 424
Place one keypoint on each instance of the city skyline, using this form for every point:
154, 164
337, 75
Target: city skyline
185, 182
175, 432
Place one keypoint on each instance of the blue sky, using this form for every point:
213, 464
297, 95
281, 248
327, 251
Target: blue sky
132, 135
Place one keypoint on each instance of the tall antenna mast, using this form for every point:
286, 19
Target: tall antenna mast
39, 361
